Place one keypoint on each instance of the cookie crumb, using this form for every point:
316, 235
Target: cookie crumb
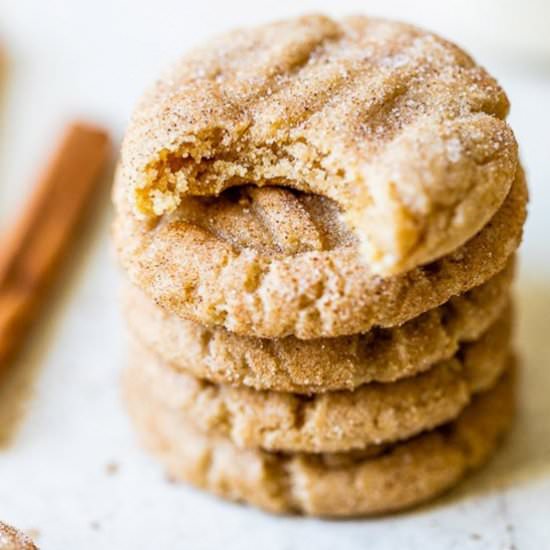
112, 468
170, 479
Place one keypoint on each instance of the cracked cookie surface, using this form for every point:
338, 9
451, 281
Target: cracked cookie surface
401, 128
319, 365
378, 480
333, 421
273, 262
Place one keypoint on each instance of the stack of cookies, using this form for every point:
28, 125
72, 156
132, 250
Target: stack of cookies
318, 222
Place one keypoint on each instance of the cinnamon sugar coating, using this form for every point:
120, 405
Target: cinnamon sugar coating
272, 262
322, 364
12, 539
398, 126
377, 480
333, 421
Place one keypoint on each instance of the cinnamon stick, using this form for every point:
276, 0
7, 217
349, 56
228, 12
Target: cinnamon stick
33, 248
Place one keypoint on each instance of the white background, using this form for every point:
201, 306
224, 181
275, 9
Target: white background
61, 420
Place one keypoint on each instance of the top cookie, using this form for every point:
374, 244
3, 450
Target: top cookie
398, 126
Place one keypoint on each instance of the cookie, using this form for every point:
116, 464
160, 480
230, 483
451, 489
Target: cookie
396, 125
333, 421
12, 539
273, 262
314, 366
378, 480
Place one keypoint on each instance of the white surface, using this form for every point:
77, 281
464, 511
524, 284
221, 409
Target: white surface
95, 58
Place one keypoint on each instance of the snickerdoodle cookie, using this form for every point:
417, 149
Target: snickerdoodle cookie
273, 262
324, 364
12, 539
397, 126
378, 479
333, 421
317, 220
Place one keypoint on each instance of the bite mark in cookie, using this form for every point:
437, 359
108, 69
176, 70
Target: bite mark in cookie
216, 262
396, 125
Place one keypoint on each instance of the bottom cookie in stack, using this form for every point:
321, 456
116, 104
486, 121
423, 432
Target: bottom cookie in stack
376, 479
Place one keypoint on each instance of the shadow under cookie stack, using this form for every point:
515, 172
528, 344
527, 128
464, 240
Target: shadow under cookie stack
318, 220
